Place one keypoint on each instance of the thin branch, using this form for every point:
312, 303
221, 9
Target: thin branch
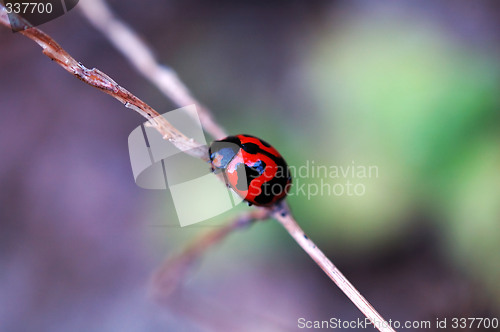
141, 56
101, 81
172, 271
293, 228
96, 78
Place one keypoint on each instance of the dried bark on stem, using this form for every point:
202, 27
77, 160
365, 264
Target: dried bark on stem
140, 55
180, 94
293, 228
96, 78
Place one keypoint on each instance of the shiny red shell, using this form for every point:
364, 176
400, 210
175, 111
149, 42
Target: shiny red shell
254, 169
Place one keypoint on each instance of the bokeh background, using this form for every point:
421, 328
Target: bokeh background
409, 86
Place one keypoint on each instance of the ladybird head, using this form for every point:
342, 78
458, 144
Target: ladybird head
254, 169
223, 151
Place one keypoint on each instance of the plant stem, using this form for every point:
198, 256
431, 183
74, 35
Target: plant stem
293, 228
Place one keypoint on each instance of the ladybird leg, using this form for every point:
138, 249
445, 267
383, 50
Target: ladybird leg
226, 182
249, 204
281, 208
216, 170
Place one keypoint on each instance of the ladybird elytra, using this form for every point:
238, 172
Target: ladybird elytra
253, 168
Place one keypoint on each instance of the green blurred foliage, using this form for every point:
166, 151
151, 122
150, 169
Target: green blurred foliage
423, 107
402, 94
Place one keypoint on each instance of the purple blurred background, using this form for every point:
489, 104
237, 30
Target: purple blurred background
79, 240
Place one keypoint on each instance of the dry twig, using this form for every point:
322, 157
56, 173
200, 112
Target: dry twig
140, 55
168, 277
178, 93
293, 228
103, 82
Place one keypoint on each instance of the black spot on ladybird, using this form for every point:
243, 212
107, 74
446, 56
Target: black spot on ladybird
232, 139
251, 148
272, 188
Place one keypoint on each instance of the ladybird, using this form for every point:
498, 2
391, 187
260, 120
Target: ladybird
252, 168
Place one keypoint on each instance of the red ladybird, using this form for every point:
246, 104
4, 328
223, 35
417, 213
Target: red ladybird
252, 168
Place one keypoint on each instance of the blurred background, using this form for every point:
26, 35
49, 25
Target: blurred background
411, 87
